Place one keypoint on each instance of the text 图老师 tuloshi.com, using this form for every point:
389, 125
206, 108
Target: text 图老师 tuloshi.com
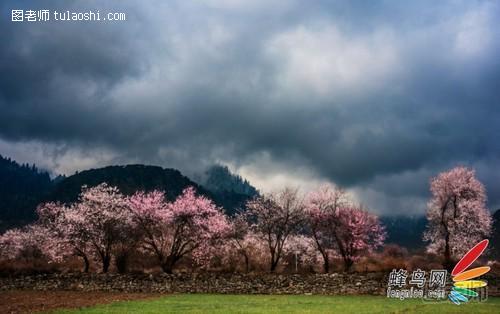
45, 15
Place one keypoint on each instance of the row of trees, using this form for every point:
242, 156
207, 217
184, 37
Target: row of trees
106, 226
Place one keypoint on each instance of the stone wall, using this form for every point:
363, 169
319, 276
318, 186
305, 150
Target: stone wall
371, 283
357, 283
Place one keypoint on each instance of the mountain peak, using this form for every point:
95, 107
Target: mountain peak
129, 179
219, 178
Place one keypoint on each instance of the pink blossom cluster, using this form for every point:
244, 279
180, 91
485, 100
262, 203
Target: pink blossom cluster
457, 214
340, 228
191, 225
105, 225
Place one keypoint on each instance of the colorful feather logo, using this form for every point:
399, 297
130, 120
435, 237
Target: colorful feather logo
463, 285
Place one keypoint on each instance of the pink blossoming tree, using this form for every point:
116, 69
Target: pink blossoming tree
301, 249
95, 227
191, 225
245, 251
357, 233
240, 238
457, 214
32, 241
67, 229
103, 214
340, 228
277, 217
322, 216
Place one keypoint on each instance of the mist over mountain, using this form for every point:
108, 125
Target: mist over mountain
219, 178
228, 188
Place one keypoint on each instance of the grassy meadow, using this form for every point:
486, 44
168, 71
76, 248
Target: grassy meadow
208, 303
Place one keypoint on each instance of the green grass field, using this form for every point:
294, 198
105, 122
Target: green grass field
209, 303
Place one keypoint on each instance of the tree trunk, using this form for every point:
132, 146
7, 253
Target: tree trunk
324, 254
167, 268
274, 265
348, 264
168, 265
105, 263
447, 263
326, 264
86, 264
121, 262
247, 263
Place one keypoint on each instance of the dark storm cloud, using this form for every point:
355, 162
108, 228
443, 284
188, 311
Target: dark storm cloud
375, 97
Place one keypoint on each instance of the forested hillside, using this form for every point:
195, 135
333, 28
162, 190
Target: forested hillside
22, 187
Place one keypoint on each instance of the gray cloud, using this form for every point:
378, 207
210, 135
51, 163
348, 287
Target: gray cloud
374, 97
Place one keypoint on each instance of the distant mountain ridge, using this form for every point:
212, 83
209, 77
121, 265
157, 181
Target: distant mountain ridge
408, 232
131, 178
128, 179
23, 187
405, 231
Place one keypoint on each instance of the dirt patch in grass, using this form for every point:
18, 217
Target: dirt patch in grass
36, 301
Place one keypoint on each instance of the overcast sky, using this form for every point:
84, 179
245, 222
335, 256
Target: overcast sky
376, 96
